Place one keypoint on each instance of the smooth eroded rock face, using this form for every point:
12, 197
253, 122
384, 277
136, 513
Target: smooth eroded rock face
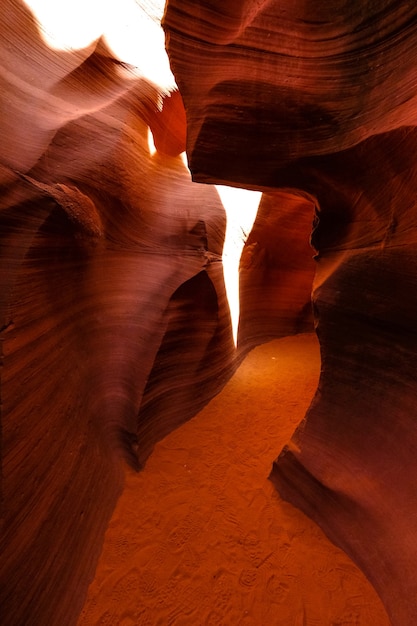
98, 281
321, 101
116, 315
115, 322
286, 80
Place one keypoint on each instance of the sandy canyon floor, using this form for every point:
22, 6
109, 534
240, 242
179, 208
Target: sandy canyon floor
201, 538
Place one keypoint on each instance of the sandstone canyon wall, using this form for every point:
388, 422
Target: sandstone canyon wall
321, 99
115, 325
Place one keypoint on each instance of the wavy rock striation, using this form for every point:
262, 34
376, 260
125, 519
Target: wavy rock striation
115, 325
99, 242
114, 317
322, 101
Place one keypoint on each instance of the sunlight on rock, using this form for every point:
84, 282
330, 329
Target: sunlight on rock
151, 143
241, 206
132, 33
70, 25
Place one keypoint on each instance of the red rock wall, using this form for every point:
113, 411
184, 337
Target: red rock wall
321, 99
91, 299
287, 80
349, 466
277, 269
115, 327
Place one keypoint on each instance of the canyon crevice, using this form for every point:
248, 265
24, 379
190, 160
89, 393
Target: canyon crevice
116, 316
320, 100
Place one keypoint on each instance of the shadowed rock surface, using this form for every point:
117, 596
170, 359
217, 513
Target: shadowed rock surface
321, 100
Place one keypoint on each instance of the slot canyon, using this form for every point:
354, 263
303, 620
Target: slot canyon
208, 332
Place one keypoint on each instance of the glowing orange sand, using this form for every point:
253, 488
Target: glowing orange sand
200, 537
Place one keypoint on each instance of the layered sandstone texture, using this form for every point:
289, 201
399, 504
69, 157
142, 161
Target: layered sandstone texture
117, 317
116, 324
321, 99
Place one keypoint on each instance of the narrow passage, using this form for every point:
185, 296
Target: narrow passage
201, 538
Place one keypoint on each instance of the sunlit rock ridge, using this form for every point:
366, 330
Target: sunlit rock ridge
130, 289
